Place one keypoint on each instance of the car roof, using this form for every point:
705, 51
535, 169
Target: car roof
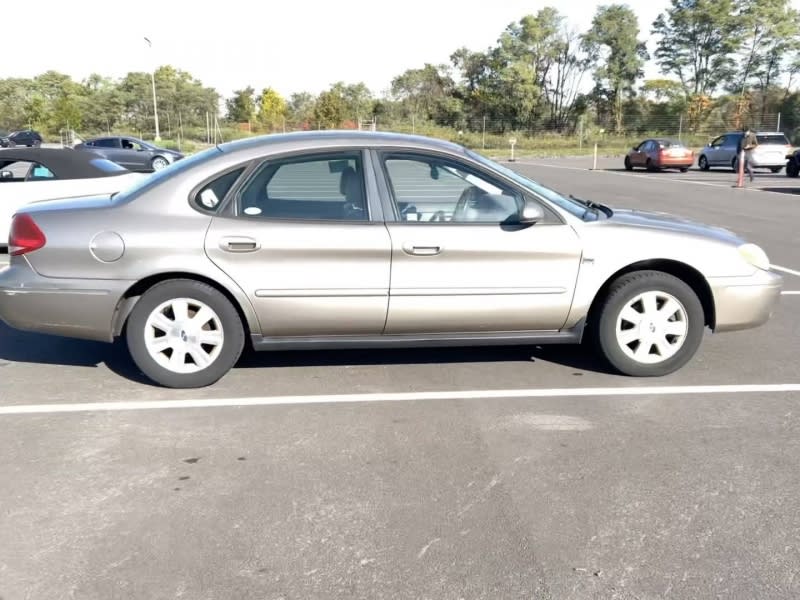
336, 137
64, 163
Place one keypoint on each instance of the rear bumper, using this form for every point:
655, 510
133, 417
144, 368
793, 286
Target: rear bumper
77, 308
676, 163
745, 302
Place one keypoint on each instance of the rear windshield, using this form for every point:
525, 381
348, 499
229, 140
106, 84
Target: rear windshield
670, 144
772, 138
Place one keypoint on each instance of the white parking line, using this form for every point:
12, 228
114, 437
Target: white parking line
790, 293
785, 270
29, 409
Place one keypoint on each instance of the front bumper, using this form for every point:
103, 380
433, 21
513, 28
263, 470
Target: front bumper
77, 308
745, 302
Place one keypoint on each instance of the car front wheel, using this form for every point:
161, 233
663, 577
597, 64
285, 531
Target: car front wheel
184, 334
159, 162
650, 324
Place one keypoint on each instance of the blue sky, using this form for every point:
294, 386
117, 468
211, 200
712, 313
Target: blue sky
291, 46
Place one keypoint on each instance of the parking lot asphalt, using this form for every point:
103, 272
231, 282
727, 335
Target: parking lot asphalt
470, 473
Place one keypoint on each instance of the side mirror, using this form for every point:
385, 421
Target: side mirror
532, 213
6, 175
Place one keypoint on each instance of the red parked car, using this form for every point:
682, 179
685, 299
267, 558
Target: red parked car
660, 153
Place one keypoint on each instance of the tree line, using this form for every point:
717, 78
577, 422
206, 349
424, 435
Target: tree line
722, 62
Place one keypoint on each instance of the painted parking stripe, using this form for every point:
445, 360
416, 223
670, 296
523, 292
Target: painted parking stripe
32, 409
790, 293
785, 270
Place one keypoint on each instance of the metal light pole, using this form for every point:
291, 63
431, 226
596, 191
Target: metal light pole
155, 104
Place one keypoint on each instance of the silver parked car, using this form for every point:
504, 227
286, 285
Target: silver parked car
724, 150
351, 239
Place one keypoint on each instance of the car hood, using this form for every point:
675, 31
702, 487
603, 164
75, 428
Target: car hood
671, 223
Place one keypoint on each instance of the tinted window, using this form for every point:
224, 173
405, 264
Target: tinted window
772, 139
211, 195
435, 190
318, 188
105, 143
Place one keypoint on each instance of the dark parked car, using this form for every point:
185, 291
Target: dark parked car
26, 137
793, 163
132, 153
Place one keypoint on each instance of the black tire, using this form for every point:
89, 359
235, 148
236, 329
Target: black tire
792, 169
622, 291
703, 163
628, 165
776, 169
684, 169
735, 165
232, 328
649, 165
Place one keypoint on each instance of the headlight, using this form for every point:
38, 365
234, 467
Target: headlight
755, 256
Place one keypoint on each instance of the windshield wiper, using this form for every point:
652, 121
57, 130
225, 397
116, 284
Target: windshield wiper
595, 206
587, 203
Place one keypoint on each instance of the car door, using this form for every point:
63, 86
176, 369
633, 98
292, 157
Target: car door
459, 263
713, 152
136, 155
728, 150
109, 148
304, 237
638, 155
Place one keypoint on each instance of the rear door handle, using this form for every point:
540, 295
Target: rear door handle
420, 250
239, 244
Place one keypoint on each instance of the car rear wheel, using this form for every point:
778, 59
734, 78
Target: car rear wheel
650, 324
159, 162
776, 169
628, 165
184, 334
684, 169
703, 163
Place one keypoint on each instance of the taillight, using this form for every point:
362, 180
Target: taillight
25, 236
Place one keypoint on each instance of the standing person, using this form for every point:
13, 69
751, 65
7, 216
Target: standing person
748, 144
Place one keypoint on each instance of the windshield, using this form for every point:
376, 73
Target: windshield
574, 207
152, 180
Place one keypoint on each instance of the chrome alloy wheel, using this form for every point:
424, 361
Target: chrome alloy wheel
184, 335
652, 327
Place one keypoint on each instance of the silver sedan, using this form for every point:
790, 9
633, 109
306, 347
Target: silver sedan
350, 239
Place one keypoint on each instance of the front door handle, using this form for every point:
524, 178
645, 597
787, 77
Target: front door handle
420, 250
239, 244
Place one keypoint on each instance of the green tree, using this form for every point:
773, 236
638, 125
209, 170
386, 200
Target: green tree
613, 45
698, 39
271, 109
423, 93
771, 33
241, 108
300, 109
330, 110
